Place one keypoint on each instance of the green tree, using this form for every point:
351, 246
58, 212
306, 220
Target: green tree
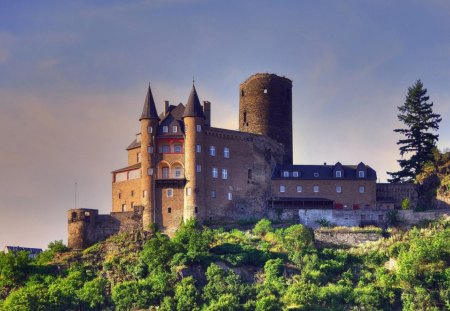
419, 119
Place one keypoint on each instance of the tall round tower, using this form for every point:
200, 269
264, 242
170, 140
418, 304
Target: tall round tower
265, 107
149, 125
194, 121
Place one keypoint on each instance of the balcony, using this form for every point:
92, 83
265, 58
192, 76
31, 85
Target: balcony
174, 177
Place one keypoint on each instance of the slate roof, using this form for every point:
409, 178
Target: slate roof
325, 172
193, 106
134, 144
27, 249
149, 110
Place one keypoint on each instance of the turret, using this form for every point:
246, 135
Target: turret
149, 124
194, 122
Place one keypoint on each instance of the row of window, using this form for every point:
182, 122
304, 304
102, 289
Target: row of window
144, 194
212, 151
361, 189
169, 193
175, 128
338, 174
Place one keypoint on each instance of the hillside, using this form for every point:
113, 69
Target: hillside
261, 269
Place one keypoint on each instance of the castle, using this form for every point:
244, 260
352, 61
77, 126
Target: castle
181, 167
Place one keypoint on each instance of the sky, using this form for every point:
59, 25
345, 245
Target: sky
74, 75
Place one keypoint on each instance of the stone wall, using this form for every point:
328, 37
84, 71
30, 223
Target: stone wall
397, 192
87, 227
348, 238
265, 107
410, 218
346, 218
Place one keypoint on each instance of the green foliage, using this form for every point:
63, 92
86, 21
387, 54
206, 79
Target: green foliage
53, 248
263, 227
408, 271
193, 241
14, 268
392, 217
406, 203
419, 119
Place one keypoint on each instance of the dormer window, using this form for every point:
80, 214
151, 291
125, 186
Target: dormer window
316, 174
285, 173
294, 174
361, 174
174, 129
165, 129
338, 174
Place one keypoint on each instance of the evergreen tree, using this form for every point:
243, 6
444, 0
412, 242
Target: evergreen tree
418, 117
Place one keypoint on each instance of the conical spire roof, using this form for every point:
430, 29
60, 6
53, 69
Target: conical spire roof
149, 110
193, 106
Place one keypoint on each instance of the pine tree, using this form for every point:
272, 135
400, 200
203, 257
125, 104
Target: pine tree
418, 117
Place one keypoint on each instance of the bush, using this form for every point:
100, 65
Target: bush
262, 227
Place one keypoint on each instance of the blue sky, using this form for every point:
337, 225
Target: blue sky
73, 78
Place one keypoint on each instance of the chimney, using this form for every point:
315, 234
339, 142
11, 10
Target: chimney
207, 111
324, 163
166, 107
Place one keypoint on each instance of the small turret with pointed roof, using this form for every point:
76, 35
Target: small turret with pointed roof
193, 106
149, 110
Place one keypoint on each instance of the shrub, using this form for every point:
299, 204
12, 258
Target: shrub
262, 227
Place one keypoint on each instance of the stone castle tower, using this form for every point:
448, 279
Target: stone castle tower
194, 123
265, 108
149, 123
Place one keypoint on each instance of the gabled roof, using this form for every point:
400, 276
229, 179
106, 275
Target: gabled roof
324, 172
149, 110
193, 106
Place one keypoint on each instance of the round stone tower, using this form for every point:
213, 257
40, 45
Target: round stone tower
194, 122
149, 124
265, 107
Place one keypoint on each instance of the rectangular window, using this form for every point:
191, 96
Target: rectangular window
226, 152
150, 129
178, 171
294, 174
282, 188
338, 174
213, 194
169, 193
198, 148
121, 176
120, 195
224, 173
361, 174
316, 188
299, 189
165, 129
362, 189
124, 207
132, 193
177, 148
286, 174
338, 189
199, 128
134, 174
138, 158
169, 210
212, 151
188, 191
144, 193
198, 168
196, 209
150, 149
215, 172
150, 172
165, 148
174, 129
165, 172
230, 196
